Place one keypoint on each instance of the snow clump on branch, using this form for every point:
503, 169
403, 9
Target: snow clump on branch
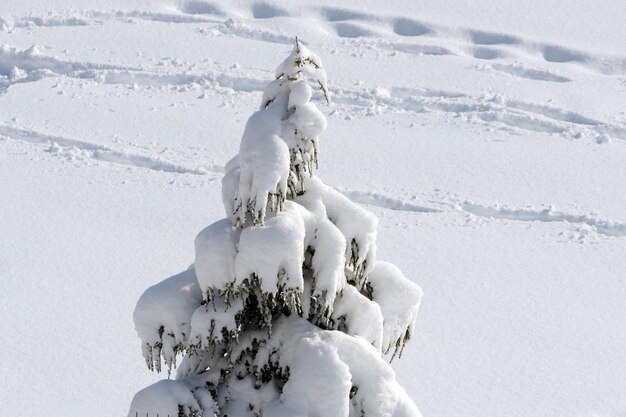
286, 311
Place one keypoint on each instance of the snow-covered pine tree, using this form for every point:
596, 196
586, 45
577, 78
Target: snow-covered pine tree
286, 311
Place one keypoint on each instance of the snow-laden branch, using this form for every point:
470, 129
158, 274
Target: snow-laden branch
286, 311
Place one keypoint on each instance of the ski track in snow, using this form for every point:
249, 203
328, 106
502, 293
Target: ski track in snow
601, 226
65, 146
70, 147
530, 73
362, 33
500, 111
496, 110
37, 66
604, 227
389, 203
383, 33
32, 60
61, 146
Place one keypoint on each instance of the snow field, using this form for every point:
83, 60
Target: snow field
490, 148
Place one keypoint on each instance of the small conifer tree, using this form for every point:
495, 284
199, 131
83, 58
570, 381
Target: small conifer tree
286, 311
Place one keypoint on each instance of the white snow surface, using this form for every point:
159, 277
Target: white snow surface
488, 139
277, 246
335, 363
162, 317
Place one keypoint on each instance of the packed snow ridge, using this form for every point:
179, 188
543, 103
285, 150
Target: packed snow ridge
286, 311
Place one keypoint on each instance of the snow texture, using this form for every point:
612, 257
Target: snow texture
162, 318
487, 139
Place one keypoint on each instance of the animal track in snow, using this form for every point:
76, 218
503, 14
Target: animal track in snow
494, 110
487, 53
509, 112
34, 66
239, 29
348, 23
414, 49
409, 27
600, 226
530, 73
382, 201
552, 112
19, 66
33, 60
489, 38
154, 79
97, 152
352, 30
559, 54
267, 11
604, 227
200, 8
488, 109
190, 12
50, 20
174, 17
337, 15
